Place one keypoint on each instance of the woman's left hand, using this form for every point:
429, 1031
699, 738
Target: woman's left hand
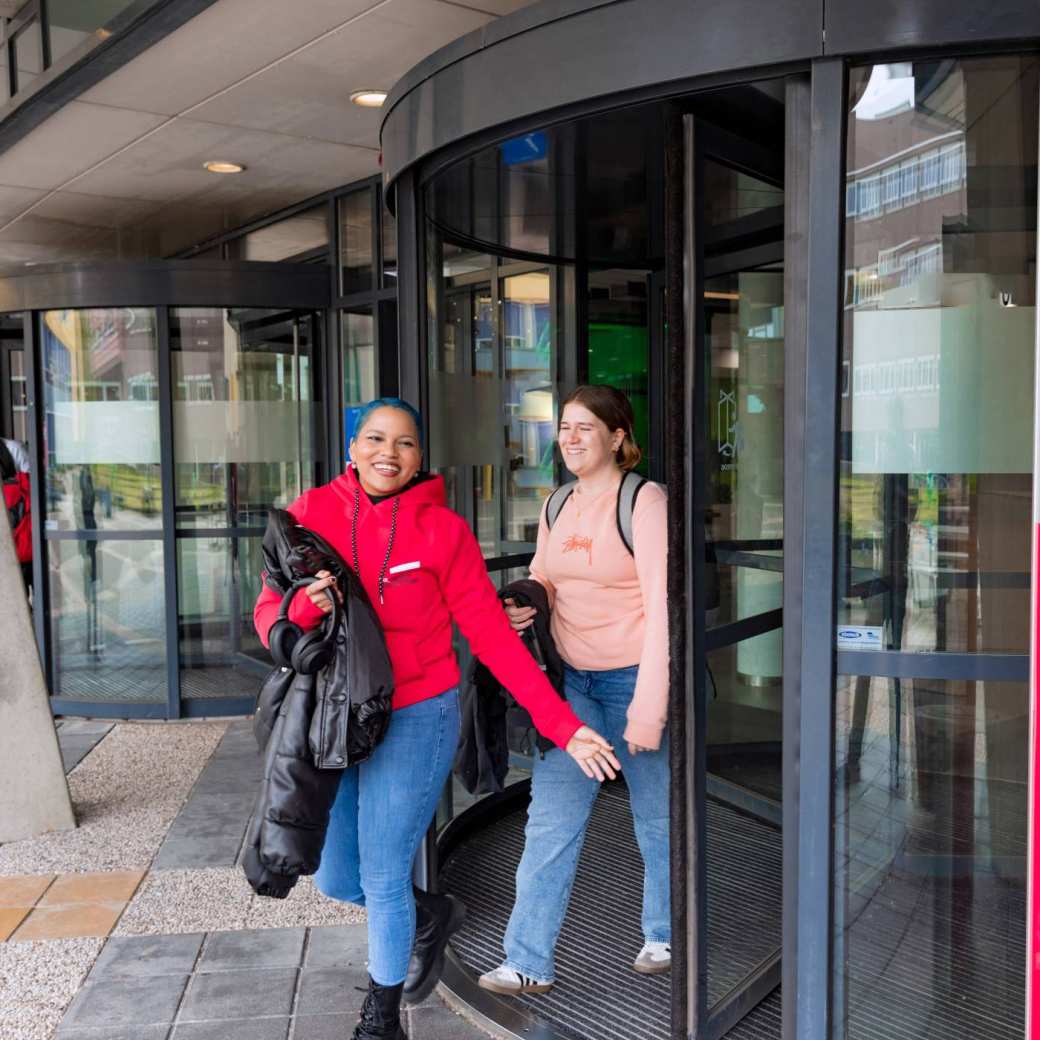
634, 749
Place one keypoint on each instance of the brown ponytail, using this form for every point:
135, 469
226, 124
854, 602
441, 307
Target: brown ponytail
613, 408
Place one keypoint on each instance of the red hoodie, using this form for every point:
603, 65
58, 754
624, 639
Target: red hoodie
435, 575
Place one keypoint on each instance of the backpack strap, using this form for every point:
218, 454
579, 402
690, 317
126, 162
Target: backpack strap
557, 500
631, 484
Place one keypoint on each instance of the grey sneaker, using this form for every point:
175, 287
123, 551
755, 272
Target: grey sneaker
506, 980
655, 958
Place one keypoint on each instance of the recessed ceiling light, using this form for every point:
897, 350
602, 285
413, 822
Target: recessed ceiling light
368, 98
221, 166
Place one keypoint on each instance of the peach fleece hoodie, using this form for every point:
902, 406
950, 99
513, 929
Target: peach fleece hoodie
609, 610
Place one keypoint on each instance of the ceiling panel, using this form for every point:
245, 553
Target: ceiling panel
168, 164
75, 138
94, 210
216, 48
118, 173
309, 93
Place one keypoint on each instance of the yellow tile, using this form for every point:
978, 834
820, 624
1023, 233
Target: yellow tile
69, 922
10, 918
23, 890
112, 886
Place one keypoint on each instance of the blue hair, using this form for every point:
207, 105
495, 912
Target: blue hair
387, 402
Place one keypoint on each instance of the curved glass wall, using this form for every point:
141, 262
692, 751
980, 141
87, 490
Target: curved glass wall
545, 267
153, 524
935, 501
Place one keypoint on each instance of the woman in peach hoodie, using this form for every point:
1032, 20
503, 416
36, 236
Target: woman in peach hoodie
610, 626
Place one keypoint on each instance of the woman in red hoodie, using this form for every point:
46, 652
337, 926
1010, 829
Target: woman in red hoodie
422, 569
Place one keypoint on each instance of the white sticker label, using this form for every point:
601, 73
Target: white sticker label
859, 637
402, 567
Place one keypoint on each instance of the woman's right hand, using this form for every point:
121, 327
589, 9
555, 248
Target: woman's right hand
593, 754
316, 591
519, 617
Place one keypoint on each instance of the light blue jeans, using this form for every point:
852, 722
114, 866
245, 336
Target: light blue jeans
380, 815
561, 802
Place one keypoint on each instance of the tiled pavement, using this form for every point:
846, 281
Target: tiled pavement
276, 984
210, 828
77, 738
260, 984
66, 906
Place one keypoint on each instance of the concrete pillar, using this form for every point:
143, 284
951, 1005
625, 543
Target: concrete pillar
34, 795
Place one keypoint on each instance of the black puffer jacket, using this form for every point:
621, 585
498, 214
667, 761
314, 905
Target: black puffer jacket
312, 727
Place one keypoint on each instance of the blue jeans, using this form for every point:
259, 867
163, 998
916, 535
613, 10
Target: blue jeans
561, 802
380, 815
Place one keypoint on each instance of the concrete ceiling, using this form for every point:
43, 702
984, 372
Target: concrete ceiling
118, 172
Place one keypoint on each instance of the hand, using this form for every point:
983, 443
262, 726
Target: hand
316, 591
593, 754
634, 749
520, 617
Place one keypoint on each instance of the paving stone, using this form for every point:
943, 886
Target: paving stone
77, 921
238, 994
148, 955
236, 1029
192, 853
267, 948
23, 890
128, 1002
116, 1032
323, 1027
109, 886
430, 1022
337, 946
327, 991
10, 918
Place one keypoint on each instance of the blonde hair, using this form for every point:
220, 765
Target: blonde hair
613, 408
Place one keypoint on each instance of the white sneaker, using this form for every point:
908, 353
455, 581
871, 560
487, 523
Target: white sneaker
506, 980
654, 958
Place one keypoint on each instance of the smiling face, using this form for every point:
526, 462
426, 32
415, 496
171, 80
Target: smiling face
588, 447
386, 451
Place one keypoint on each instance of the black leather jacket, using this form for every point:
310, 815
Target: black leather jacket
493, 724
312, 727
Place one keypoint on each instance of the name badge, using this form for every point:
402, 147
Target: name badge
402, 567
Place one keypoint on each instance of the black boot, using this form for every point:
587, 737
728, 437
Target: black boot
437, 918
381, 1014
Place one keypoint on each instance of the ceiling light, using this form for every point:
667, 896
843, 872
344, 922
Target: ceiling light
222, 166
368, 98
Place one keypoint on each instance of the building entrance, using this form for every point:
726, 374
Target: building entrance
551, 263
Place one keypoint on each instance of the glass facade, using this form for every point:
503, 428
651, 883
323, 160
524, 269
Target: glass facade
936, 483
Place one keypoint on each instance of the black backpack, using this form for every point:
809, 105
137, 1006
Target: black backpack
631, 484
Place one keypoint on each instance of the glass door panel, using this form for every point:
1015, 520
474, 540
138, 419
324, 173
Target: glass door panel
243, 443
934, 535
103, 520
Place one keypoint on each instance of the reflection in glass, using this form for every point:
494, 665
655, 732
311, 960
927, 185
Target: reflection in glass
936, 484
70, 22
28, 55
930, 856
389, 249
19, 398
289, 239
242, 413
101, 425
355, 241
217, 582
360, 379
107, 617
619, 331
937, 402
